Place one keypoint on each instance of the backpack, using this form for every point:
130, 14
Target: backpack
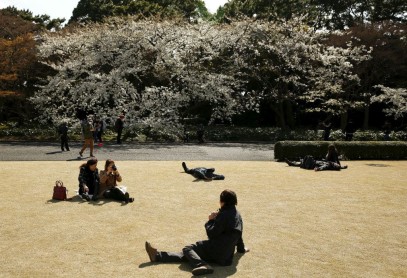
308, 162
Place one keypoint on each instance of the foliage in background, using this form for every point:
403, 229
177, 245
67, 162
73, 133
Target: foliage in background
19, 67
97, 11
217, 133
162, 72
44, 21
396, 100
348, 150
321, 14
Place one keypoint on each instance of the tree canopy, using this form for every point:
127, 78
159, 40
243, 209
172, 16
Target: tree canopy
329, 14
160, 73
40, 21
97, 11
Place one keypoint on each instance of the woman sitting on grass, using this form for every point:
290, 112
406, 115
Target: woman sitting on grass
89, 180
108, 184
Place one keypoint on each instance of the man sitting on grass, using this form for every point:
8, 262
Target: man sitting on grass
224, 230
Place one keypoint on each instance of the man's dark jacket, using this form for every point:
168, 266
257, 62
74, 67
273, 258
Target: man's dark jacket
224, 233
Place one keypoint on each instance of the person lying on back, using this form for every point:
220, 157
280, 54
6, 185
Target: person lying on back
202, 173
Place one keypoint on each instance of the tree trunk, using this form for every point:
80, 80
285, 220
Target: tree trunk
278, 109
344, 120
290, 114
366, 117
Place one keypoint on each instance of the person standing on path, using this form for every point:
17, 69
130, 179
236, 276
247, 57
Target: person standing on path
63, 132
87, 131
119, 125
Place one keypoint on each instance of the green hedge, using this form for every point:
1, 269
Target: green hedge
365, 150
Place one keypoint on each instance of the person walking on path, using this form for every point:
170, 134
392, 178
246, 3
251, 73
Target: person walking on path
87, 131
119, 125
63, 132
224, 230
327, 126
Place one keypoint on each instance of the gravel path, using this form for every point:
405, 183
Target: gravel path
40, 151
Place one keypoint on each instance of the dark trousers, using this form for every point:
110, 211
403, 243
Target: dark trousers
206, 174
99, 136
193, 254
64, 142
119, 136
116, 194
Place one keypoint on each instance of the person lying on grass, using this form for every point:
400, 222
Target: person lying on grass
202, 173
331, 161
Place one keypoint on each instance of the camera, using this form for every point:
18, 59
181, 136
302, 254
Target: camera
114, 168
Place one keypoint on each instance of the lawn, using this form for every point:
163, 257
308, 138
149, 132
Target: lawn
298, 223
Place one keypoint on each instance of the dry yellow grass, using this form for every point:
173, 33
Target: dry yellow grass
298, 223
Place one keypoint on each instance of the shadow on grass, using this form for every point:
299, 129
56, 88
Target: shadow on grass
78, 199
220, 271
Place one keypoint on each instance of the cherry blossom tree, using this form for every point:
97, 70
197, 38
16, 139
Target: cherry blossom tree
158, 71
396, 100
152, 70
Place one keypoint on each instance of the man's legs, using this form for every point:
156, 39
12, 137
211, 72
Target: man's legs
162, 256
170, 257
192, 254
195, 255
65, 142
186, 169
62, 143
293, 163
91, 146
218, 177
119, 136
85, 144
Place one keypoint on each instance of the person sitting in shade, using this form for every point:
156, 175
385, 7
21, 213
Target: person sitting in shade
202, 173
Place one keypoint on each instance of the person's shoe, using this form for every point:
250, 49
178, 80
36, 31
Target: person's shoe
288, 162
202, 270
152, 252
126, 197
185, 167
62, 149
85, 197
67, 150
80, 154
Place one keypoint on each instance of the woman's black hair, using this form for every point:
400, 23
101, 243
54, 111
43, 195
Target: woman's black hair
92, 161
88, 163
228, 198
332, 148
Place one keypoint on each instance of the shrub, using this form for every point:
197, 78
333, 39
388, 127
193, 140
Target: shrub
388, 150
